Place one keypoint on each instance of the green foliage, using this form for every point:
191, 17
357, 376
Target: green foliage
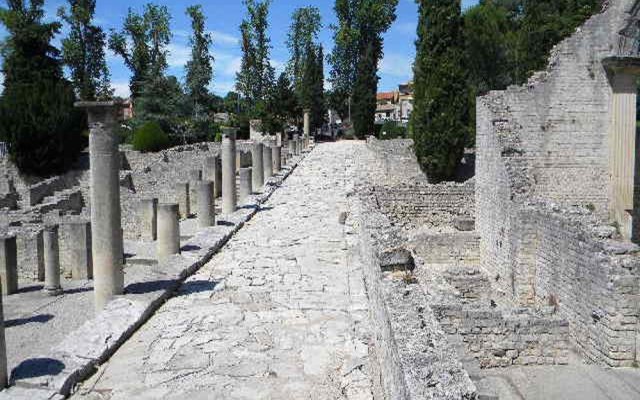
303, 34
439, 121
391, 130
283, 104
355, 58
199, 68
162, 100
83, 51
150, 138
344, 57
256, 76
142, 44
311, 91
43, 129
364, 94
37, 117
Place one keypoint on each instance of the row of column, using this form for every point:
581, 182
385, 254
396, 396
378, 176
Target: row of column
106, 250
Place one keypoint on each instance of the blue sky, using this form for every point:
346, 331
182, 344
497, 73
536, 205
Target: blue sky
223, 19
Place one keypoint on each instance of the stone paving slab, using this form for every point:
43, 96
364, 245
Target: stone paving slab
280, 313
59, 369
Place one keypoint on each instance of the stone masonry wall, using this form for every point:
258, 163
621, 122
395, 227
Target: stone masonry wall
541, 149
423, 204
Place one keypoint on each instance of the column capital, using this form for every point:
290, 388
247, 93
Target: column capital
102, 111
229, 132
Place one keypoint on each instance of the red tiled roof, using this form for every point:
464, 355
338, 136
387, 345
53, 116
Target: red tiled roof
385, 96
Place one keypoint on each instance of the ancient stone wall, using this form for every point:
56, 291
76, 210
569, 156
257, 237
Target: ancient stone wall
426, 205
543, 148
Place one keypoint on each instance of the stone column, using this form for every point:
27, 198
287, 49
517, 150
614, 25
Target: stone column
229, 196
276, 158
255, 129
213, 172
296, 144
267, 162
183, 199
106, 228
148, 212
245, 184
76, 253
51, 261
195, 177
40, 256
206, 213
4, 376
257, 171
9, 264
168, 231
623, 73
292, 147
307, 127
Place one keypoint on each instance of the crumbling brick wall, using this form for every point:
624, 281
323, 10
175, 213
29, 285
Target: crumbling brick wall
542, 148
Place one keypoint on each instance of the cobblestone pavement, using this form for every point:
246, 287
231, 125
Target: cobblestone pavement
280, 313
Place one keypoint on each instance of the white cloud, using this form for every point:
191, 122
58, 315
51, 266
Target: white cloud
223, 87
278, 66
224, 39
121, 89
178, 55
226, 64
397, 65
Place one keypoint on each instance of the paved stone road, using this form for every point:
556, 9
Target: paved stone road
280, 313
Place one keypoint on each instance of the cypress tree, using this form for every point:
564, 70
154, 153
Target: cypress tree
364, 92
439, 122
37, 116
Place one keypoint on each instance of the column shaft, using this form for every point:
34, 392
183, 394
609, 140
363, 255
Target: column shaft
206, 213
168, 231
51, 261
257, 171
229, 196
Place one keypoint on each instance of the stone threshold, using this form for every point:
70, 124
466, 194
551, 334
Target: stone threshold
78, 356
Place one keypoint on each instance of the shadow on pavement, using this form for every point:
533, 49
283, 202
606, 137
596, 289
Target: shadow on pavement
36, 319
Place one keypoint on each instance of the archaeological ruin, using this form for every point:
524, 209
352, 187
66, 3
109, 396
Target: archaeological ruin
278, 267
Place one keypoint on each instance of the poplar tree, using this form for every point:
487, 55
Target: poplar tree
439, 122
373, 18
83, 51
256, 76
303, 33
344, 56
200, 67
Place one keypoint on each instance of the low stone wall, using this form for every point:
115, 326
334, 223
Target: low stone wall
425, 205
396, 160
415, 360
501, 340
447, 248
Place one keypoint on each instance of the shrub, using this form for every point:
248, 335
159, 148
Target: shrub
391, 130
150, 137
42, 127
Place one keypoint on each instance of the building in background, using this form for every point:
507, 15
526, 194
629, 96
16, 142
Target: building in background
395, 106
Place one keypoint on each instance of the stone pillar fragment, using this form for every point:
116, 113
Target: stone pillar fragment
106, 229
267, 162
245, 184
276, 153
51, 261
4, 376
148, 219
76, 251
229, 195
307, 127
168, 231
183, 199
206, 213
292, 147
9, 264
195, 177
296, 145
40, 256
213, 172
257, 171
